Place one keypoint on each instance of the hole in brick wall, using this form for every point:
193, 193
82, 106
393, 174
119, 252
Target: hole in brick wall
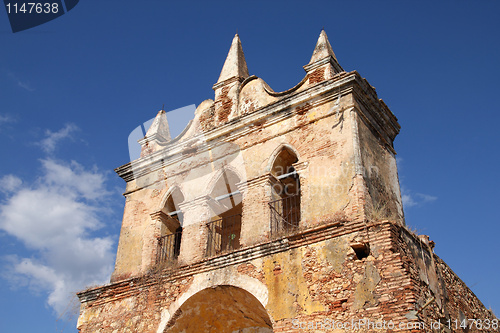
362, 250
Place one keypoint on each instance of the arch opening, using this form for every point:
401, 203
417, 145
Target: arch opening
285, 198
224, 228
169, 242
222, 309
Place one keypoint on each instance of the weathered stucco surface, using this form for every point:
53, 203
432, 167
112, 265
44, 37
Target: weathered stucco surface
345, 253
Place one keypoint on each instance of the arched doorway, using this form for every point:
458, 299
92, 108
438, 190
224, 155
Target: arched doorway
222, 309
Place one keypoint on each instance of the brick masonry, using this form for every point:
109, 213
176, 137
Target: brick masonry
311, 277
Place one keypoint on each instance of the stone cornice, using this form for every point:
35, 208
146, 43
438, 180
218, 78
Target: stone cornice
258, 181
300, 166
328, 60
228, 81
132, 286
171, 223
159, 215
236, 257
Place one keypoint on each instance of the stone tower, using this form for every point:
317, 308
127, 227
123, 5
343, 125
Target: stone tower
273, 212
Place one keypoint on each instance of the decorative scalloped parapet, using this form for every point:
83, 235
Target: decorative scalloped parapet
237, 94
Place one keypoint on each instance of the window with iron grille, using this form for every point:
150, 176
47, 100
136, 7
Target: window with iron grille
225, 228
285, 215
223, 235
169, 243
285, 200
169, 246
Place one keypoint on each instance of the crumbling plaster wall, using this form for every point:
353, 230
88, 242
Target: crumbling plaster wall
380, 175
136, 235
319, 135
309, 277
324, 149
294, 282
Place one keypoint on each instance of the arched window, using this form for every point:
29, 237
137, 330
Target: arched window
169, 242
224, 228
285, 194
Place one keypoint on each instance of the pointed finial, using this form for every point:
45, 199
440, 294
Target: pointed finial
235, 65
323, 48
159, 129
323, 55
163, 107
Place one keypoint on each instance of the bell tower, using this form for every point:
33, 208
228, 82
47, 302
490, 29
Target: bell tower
271, 211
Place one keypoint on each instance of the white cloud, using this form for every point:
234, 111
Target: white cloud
426, 197
25, 85
408, 200
10, 183
53, 138
5, 119
415, 199
20, 83
88, 184
57, 217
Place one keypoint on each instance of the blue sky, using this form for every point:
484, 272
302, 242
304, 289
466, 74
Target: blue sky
73, 89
